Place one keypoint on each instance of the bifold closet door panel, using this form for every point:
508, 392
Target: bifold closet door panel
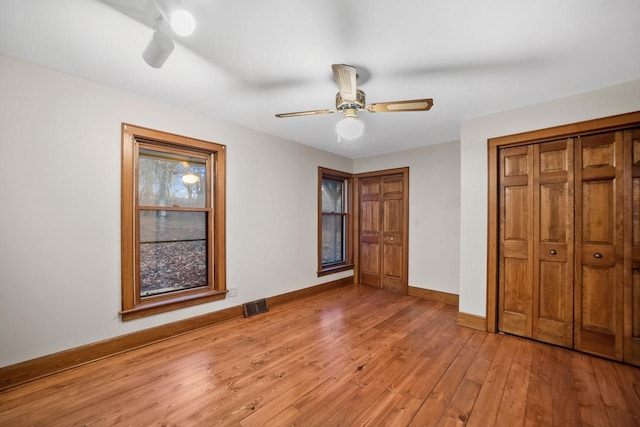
599, 274
516, 241
632, 248
553, 245
382, 232
370, 231
393, 237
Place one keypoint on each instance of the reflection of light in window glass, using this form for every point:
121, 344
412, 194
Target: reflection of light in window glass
161, 179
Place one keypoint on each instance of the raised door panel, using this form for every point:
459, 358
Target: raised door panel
393, 235
632, 248
516, 244
598, 323
370, 231
552, 316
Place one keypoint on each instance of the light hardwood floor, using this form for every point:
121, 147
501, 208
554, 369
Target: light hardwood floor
351, 356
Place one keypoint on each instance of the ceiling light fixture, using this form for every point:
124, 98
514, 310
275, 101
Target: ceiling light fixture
182, 23
161, 45
350, 127
158, 49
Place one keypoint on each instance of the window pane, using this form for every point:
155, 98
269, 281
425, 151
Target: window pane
332, 239
173, 253
332, 195
171, 180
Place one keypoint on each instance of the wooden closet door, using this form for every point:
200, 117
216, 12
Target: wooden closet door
370, 231
383, 232
515, 285
598, 323
393, 233
632, 248
553, 245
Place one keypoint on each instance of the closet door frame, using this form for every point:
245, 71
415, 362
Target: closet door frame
612, 123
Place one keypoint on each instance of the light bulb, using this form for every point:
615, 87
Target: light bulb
182, 22
350, 128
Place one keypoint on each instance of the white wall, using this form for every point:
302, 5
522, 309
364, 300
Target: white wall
60, 209
434, 211
474, 134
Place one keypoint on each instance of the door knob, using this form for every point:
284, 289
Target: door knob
597, 255
553, 252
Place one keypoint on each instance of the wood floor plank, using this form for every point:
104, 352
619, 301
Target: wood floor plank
350, 356
463, 400
618, 413
514, 399
459, 409
487, 404
592, 409
438, 401
627, 378
539, 410
565, 406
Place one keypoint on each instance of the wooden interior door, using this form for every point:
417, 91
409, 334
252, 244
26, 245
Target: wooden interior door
383, 231
553, 200
370, 231
632, 248
599, 274
393, 237
516, 241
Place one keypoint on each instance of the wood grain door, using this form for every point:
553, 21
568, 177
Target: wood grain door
393, 234
383, 231
516, 241
370, 194
553, 243
632, 248
536, 242
599, 274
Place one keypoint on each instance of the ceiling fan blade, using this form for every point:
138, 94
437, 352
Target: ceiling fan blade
304, 113
345, 76
400, 106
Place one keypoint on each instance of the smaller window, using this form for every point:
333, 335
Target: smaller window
334, 221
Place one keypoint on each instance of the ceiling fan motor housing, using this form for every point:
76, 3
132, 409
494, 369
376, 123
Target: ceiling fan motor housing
358, 103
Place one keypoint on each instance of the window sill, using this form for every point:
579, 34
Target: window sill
334, 269
161, 306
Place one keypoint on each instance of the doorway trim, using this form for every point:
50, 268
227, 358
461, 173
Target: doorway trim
356, 215
605, 124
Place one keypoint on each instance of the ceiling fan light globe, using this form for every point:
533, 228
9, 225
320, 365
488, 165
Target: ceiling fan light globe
182, 22
350, 128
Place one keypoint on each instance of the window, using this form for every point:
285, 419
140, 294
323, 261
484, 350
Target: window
334, 221
173, 222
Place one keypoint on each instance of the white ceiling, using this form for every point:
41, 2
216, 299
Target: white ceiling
250, 59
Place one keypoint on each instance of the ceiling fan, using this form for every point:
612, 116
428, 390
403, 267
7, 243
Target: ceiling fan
350, 100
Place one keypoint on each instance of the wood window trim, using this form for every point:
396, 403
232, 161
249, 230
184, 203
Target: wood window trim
617, 122
132, 305
324, 270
